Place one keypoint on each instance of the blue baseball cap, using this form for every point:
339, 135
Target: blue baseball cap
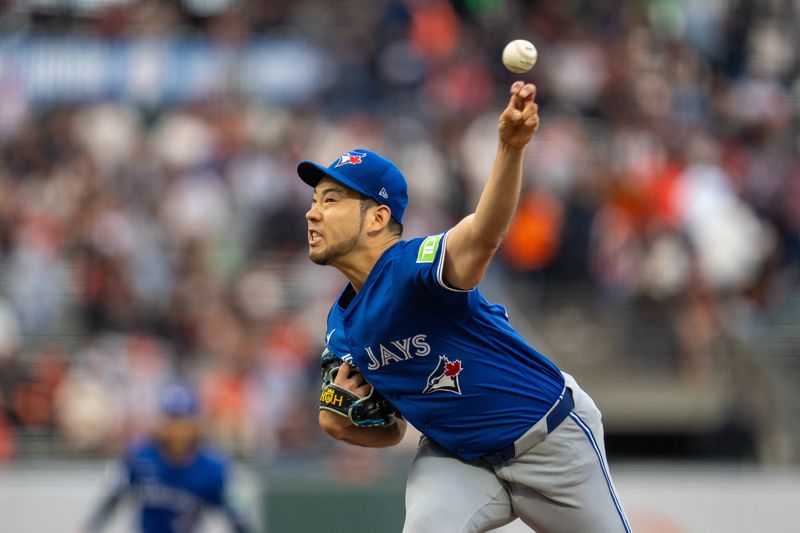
177, 399
364, 171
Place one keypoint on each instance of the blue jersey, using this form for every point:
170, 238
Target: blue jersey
447, 359
171, 497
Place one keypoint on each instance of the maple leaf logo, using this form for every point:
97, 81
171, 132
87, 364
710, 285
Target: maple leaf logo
452, 369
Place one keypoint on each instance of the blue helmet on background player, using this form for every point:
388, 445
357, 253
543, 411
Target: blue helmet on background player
178, 399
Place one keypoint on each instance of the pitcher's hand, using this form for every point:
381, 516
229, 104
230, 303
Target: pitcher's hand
520, 119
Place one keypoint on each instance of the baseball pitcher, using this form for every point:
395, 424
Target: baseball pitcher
412, 340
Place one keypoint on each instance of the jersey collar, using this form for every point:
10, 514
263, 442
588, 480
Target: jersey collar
349, 297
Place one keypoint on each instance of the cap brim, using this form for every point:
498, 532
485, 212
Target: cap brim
311, 173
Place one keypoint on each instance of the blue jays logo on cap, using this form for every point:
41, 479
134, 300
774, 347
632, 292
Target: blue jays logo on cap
350, 158
366, 172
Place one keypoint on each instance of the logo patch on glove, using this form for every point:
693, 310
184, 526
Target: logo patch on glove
330, 398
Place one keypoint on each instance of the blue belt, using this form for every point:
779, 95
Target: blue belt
556, 415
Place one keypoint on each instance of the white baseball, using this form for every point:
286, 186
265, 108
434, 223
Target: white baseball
519, 56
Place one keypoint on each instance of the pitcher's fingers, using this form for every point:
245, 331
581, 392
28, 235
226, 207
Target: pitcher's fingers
343, 374
516, 101
530, 110
511, 112
528, 91
357, 379
523, 96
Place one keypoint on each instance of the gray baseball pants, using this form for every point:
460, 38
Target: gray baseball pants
559, 485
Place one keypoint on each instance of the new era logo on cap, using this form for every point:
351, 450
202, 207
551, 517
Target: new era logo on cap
364, 171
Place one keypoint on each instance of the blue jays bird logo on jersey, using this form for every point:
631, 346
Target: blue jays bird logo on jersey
444, 377
350, 158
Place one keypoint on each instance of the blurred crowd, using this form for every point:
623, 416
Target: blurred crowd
141, 243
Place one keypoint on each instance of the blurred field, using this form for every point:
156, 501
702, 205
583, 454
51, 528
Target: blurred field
58, 496
676, 498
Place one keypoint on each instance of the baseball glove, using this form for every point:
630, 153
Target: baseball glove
372, 410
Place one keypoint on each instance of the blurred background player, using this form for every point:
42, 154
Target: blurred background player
174, 476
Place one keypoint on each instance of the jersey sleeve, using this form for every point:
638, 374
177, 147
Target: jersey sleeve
335, 343
421, 270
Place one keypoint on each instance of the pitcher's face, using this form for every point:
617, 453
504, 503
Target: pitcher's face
335, 222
